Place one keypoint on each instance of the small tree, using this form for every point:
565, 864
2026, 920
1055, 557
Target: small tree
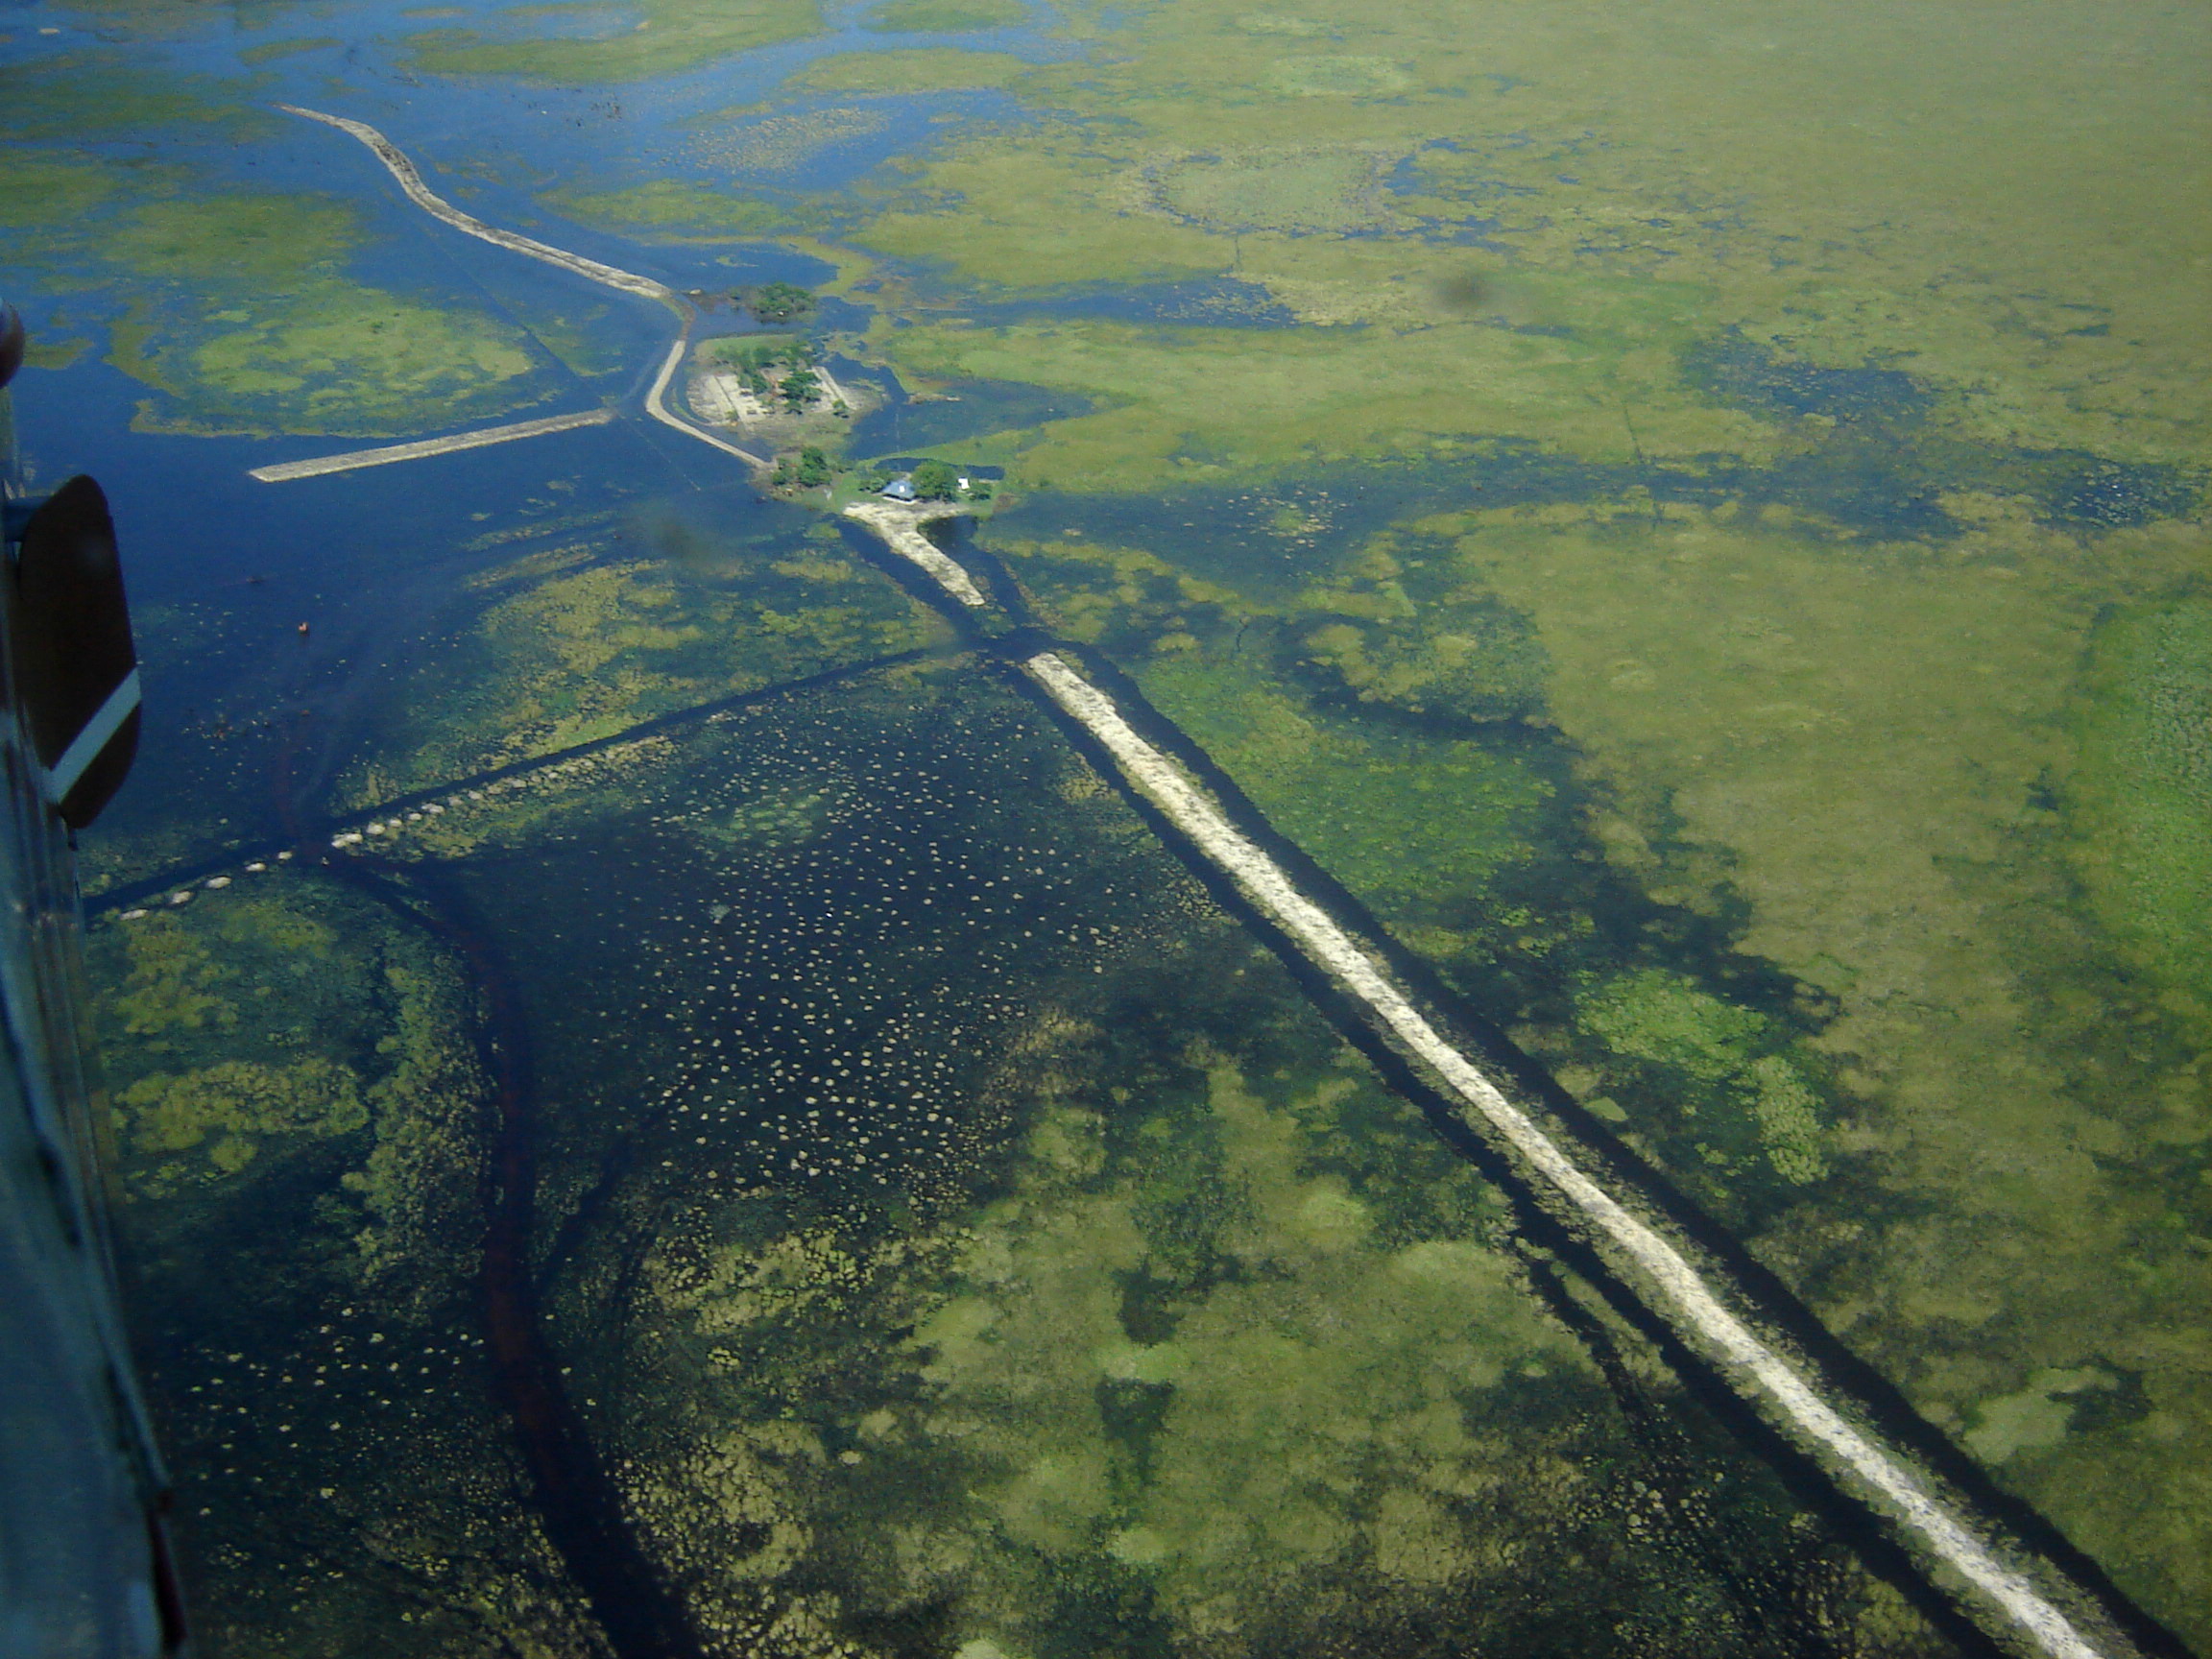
813, 467
935, 481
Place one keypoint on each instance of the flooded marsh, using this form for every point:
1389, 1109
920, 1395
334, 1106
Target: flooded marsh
694, 1073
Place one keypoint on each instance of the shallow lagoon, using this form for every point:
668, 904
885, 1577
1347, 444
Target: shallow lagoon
1709, 556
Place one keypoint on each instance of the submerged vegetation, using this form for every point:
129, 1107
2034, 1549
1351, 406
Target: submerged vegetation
304, 1227
1100, 1290
1698, 524
556, 649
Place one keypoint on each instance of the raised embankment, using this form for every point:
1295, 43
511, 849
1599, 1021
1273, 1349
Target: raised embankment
384, 455
397, 163
2021, 1598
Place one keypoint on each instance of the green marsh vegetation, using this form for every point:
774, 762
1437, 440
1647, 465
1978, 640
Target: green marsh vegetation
945, 16
668, 209
355, 1065
1291, 190
237, 312
276, 51
1751, 217
748, 140
2142, 792
1807, 873
1882, 747
911, 70
1389, 713
1197, 405
1864, 735
1187, 1311
629, 42
569, 643
97, 95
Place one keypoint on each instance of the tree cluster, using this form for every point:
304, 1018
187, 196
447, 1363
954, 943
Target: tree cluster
801, 387
756, 358
779, 303
935, 481
811, 470
760, 352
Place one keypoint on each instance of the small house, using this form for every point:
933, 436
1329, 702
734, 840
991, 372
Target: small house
900, 490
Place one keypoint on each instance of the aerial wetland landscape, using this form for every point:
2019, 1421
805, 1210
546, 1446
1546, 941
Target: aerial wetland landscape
1016, 829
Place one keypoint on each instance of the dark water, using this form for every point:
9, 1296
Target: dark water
1881, 470
815, 980
962, 409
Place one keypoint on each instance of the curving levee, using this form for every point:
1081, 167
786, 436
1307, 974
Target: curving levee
397, 163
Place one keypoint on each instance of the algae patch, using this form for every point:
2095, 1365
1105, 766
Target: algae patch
1340, 77
1725, 1070
1289, 190
2143, 827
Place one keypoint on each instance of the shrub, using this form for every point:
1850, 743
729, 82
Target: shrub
781, 302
